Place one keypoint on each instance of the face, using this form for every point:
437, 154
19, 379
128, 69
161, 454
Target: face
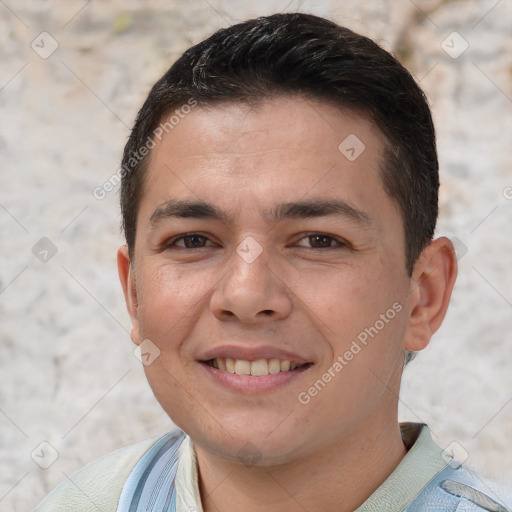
269, 277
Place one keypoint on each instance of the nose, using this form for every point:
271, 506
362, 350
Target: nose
251, 292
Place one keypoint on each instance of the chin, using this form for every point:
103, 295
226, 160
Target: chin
252, 443
256, 452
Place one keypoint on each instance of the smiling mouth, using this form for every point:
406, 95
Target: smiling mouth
258, 368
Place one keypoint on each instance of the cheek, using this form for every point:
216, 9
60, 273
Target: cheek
366, 318
172, 390
365, 338
350, 299
168, 299
174, 309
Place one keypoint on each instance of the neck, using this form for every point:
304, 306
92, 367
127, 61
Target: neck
340, 477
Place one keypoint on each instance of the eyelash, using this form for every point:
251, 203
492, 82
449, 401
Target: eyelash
341, 244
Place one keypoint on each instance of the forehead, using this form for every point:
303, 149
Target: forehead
280, 123
248, 159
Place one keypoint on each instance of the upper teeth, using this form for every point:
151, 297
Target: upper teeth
258, 368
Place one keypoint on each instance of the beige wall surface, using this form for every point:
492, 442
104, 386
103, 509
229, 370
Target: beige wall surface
73, 75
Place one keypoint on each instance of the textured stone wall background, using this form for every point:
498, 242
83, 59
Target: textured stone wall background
66, 361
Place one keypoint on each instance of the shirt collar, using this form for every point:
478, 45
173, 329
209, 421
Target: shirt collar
423, 461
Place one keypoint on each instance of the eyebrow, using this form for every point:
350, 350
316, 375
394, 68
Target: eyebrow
294, 210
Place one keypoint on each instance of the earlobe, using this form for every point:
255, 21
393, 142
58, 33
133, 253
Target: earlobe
127, 278
431, 288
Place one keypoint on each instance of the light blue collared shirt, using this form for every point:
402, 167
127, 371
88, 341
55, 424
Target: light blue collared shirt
426, 480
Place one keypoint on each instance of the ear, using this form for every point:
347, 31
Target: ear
127, 278
431, 287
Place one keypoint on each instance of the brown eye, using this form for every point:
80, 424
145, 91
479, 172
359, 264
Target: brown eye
320, 241
189, 241
193, 241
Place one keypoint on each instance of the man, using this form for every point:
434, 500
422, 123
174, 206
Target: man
279, 200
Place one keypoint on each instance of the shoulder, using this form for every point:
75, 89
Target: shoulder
429, 479
98, 485
457, 488
449, 485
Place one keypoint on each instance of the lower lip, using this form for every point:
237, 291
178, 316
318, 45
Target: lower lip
251, 384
